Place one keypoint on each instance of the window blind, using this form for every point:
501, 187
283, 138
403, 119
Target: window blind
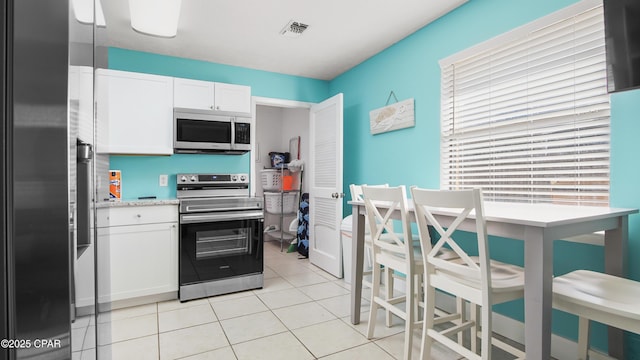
528, 120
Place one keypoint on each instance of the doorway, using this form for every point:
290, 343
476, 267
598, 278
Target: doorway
321, 151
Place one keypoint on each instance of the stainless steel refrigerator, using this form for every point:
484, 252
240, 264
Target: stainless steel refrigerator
38, 182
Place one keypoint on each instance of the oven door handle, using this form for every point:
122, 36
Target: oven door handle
222, 216
207, 208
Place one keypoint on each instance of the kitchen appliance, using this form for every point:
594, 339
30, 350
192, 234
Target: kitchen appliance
207, 131
45, 201
221, 229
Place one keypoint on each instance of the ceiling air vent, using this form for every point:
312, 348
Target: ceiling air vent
293, 29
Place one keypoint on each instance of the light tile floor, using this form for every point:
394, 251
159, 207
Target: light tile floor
301, 313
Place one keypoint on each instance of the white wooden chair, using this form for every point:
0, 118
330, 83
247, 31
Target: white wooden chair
472, 278
605, 298
396, 255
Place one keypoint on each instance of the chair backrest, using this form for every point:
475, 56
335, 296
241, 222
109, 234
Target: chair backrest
380, 203
461, 203
356, 195
356, 191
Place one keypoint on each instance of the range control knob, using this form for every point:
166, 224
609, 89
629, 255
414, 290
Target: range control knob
243, 178
193, 178
183, 178
234, 177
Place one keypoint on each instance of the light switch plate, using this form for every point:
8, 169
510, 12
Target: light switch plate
164, 180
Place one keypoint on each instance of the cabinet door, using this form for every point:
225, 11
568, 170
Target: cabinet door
135, 113
137, 260
230, 97
193, 94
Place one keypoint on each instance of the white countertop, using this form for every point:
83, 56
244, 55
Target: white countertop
137, 202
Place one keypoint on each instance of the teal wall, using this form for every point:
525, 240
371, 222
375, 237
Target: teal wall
140, 173
411, 156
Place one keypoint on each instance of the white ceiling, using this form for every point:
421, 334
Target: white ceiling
246, 33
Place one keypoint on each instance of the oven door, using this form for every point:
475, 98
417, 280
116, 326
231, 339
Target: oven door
215, 246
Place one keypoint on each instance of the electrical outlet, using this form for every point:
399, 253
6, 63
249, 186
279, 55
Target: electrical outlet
164, 180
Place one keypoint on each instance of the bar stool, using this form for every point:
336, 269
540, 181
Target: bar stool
605, 298
395, 253
475, 279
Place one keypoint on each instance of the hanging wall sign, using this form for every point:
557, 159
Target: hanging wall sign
392, 117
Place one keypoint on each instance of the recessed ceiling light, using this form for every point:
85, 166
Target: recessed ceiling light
83, 11
155, 17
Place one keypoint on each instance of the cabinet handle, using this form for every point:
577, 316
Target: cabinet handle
138, 216
217, 107
211, 107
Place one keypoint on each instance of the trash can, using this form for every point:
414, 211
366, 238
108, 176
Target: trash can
347, 240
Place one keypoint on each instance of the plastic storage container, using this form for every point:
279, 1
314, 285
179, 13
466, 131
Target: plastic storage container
285, 203
271, 179
278, 159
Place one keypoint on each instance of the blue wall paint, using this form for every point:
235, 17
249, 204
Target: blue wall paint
625, 174
411, 156
410, 69
140, 173
263, 83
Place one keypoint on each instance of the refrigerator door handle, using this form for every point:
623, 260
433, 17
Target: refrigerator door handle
84, 198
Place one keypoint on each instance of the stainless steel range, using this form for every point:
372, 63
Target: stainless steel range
220, 235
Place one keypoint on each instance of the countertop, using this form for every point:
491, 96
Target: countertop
137, 202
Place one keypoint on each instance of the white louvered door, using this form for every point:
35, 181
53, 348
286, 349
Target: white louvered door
325, 194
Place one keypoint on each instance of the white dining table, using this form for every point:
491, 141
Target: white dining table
538, 225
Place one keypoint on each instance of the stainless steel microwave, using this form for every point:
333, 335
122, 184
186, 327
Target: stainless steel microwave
206, 131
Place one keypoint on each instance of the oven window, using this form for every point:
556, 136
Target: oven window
203, 131
226, 242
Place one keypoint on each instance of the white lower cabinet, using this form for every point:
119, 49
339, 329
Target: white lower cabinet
137, 252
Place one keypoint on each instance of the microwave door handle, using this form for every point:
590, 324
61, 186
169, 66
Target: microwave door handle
233, 133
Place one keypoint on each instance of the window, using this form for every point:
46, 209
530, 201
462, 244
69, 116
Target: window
526, 118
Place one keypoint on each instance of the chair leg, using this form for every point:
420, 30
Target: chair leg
485, 341
409, 316
475, 328
416, 297
583, 338
429, 313
375, 292
388, 284
460, 309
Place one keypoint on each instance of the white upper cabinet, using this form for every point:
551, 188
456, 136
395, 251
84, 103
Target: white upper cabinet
206, 95
230, 97
135, 113
193, 94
